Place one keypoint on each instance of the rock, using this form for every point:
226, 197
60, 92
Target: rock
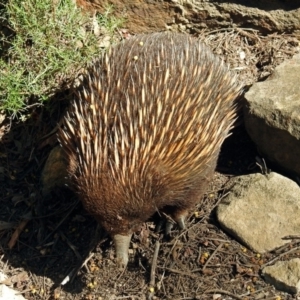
284, 275
195, 15
272, 115
260, 210
7, 293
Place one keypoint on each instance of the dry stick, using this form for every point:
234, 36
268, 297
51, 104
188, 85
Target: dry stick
154, 264
221, 198
216, 239
84, 264
71, 246
176, 239
17, 233
214, 291
60, 222
5, 265
291, 237
72, 274
199, 255
119, 276
181, 273
279, 256
256, 292
153, 268
213, 254
89, 256
186, 230
127, 297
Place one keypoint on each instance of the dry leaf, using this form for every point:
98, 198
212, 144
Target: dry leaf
18, 278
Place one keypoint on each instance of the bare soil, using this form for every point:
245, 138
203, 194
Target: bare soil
52, 249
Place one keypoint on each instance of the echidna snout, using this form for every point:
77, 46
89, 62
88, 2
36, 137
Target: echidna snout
144, 131
122, 245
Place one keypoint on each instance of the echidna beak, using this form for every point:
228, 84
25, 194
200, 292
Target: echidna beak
122, 246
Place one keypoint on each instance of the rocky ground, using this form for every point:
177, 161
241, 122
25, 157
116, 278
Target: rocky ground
52, 249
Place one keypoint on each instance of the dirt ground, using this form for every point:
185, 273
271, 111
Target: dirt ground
52, 249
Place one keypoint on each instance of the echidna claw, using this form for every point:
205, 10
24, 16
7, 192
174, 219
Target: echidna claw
168, 228
159, 225
181, 222
169, 225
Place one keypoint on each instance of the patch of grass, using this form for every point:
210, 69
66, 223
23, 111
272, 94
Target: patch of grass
49, 42
108, 21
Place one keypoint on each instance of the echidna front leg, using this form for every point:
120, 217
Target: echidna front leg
122, 246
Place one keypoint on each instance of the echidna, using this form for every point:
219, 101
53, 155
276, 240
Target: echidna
145, 129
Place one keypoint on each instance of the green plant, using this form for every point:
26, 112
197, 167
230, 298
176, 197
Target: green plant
50, 42
108, 21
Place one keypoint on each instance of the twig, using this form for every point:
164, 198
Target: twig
84, 264
279, 256
216, 239
199, 255
215, 291
60, 222
256, 292
71, 275
212, 255
176, 239
71, 246
291, 237
153, 268
154, 264
181, 272
219, 200
17, 233
127, 297
89, 255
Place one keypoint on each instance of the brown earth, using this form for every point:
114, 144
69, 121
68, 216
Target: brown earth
192, 16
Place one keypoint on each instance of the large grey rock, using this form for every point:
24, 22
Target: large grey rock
272, 115
260, 210
284, 275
